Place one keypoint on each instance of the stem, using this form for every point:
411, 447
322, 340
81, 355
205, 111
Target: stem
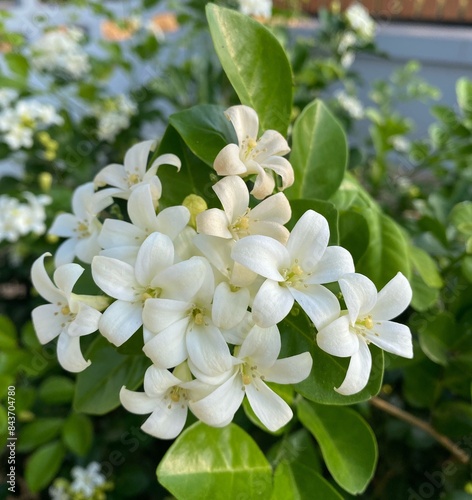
387, 407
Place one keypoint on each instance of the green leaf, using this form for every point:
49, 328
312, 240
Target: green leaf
77, 434
347, 443
319, 153
437, 335
255, 64
43, 465
426, 267
8, 337
461, 217
205, 130
464, 94
206, 462
328, 371
98, 387
387, 250
424, 296
18, 64
325, 208
56, 390
39, 432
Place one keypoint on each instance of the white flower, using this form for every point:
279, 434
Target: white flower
254, 156
133, 173
7, 96
347, 41
257, 8
256, 363
116, 234
166, 396
82, 227
367, 320
360, 21
152, 276
237, 220
295, 271
113, 116
400, 143
350, 104
66, 317
87, 480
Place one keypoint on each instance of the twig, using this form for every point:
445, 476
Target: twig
387, 407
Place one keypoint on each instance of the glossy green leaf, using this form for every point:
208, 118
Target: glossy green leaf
39, 432
296, 449
98, 387
328, 371
255, 64
43, 465
387, 251
347, 443
325, 208
77, 433
424, 296
426, 267
319, 153
56, 389
216, 463
205, 130
8, 336
18, 64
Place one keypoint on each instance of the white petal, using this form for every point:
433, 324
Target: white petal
335, 263
66, 277
157, 381
120, 320
166, 159
168, 348
172, 221
234, 196
275, 208
115, 278
208, 349
113, 175
337, 339
245, 121
308, 240
271, 409
141, 209
393, 299
118, 233
167, 421
271, 143
85, 322
262, 345
229, 307
263, 255
155, 255
214, 222
220, 405
65, 226
87, 248
81, 200
237, 334
289, 370
47, 322
126, 254
158, 314
136, 158
208, 380
271, 304
137, 402
272, 229
264, 184
320, 304
360, 295
217, 251
43, 283
281, 167
392, 337
227, 162
70, 355
358, 371
66, 252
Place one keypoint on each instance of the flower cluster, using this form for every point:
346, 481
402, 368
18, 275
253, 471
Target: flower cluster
208, 299
20, 120
256, 8
59, 52
19, 219
113, 115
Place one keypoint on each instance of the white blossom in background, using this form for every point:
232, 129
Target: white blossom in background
81, 228
67, 316
367, 320
255, 363
350, 104
113, 115
7, 96
256, 8
261, 157
360, 21
134, 171
87, 480
19, 219
400, 143
59, 52
295, 271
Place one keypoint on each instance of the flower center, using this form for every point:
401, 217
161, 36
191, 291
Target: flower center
249, 144
198, 316
83, 230
249, 372
151, 293
293, 276
65, 311
366, 322
241, 225
176, 395
133, 179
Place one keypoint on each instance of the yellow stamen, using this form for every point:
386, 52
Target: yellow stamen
199, 319
65, 311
